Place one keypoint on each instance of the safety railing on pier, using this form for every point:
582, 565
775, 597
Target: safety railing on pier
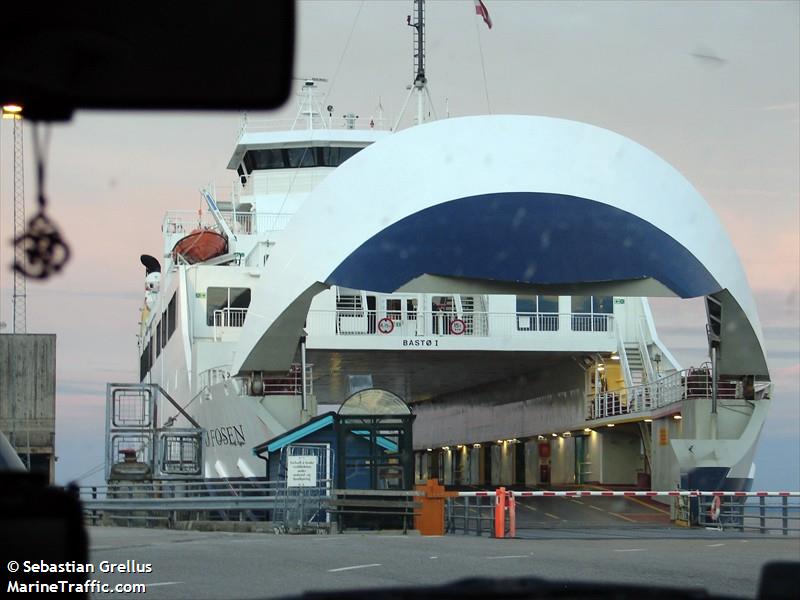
672, 388
451, 323
494, 511
170, 502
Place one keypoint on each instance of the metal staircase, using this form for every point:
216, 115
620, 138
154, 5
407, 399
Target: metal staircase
635, 362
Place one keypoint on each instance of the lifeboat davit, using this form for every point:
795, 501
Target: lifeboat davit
200, 245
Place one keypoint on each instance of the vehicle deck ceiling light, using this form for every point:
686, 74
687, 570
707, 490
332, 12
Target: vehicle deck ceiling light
648, 420
615, 356
554, 434
677, 417
567, 433
601, 368
12, 109
541, 437
587, 430
460, 446
500, 442
610, 425
430, 449
476, 445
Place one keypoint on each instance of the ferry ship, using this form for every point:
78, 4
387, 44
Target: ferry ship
492, 271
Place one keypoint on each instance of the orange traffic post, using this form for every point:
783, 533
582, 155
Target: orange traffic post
430, 519
500, 513
512, 515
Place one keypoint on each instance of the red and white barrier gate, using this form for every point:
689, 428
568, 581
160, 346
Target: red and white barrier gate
505, 505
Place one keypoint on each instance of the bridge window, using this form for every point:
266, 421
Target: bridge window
294, 158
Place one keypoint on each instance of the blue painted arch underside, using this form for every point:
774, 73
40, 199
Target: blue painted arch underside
523, 237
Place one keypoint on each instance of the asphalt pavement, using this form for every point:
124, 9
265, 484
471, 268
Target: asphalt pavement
199, 565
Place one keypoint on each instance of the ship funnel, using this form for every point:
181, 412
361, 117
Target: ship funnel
150, 263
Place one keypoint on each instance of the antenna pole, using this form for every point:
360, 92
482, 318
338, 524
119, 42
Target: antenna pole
419, 79
420, 85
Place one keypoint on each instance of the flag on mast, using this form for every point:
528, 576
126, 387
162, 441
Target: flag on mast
481, 11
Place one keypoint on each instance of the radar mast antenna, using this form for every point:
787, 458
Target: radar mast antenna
420, 85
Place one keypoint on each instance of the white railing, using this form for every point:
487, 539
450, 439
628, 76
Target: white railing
450, 323
682, 385
263, 384
186, 221
228, 317
290, 384
284, 181
336, 124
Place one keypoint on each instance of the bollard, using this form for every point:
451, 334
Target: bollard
500, 513
512, 516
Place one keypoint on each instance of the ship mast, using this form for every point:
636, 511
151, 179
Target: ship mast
420, 85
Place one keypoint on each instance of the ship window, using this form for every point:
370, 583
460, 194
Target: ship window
411, 309
592, 312
602, 304
171, 316
301, 157
158, 339
581, 304
526, 304
146, 361
293, 158
226, 307
537, 313
164, 324
394, 307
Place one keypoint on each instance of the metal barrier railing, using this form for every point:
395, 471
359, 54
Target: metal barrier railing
468, 512
762, 513
675, 387
174, 501
349, 322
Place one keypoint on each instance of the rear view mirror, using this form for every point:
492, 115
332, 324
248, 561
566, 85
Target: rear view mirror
59, 57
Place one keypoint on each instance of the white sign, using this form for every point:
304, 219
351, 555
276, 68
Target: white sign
301, 471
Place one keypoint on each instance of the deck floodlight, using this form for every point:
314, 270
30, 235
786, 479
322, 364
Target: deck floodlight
615, 356
587, 430
476, 445
541, 437
567, 434
554, 434
648, 420
610, 425
12, 109
677, 417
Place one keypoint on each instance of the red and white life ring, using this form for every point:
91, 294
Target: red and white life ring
713, 510
386, 325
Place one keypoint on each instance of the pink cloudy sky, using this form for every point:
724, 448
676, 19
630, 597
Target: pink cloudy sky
710, 87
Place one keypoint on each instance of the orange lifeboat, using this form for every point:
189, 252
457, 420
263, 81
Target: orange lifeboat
200, 245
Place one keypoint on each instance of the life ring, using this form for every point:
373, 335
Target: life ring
713, 510
386, 325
